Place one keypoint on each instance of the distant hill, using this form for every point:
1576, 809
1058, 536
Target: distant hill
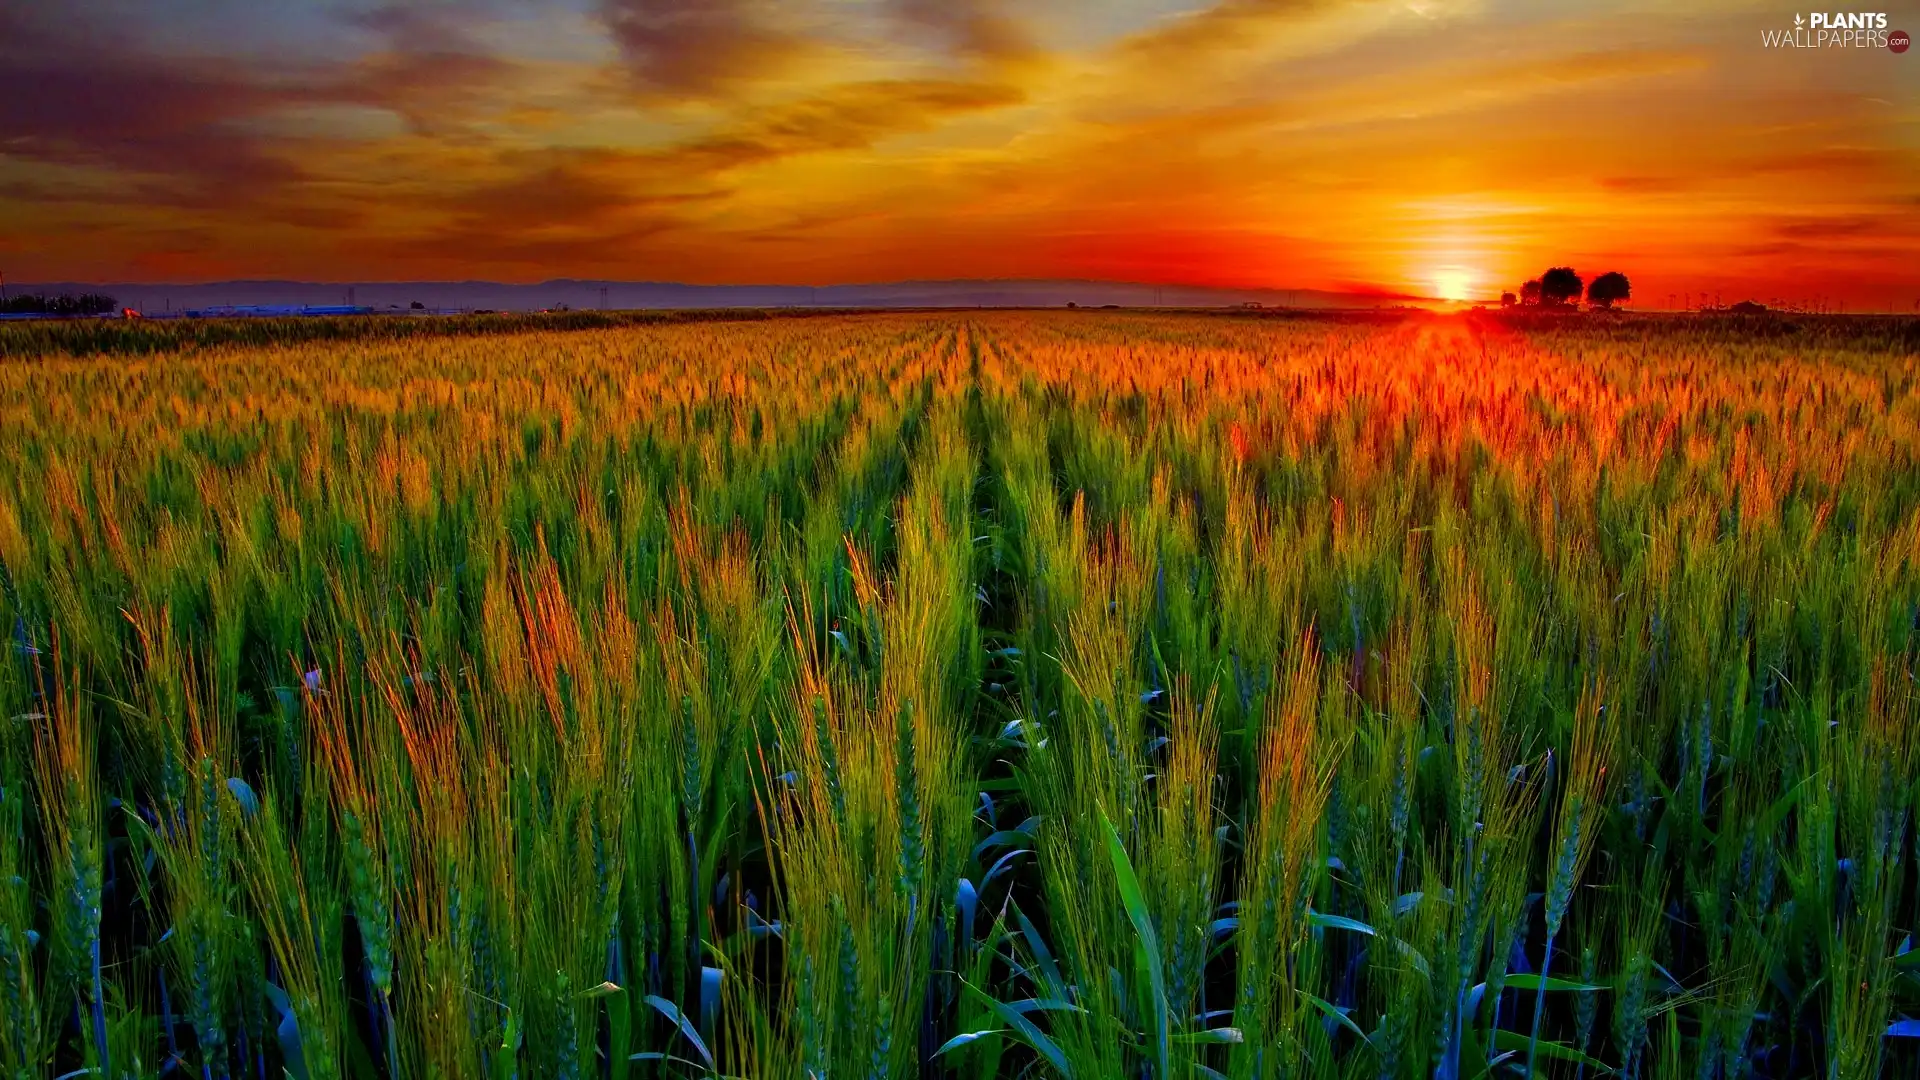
586, 295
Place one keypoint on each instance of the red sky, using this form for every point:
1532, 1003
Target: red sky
1433, 147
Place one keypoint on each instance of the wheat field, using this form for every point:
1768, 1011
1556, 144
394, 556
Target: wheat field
972, 694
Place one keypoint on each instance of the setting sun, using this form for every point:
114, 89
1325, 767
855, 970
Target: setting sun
1452, 283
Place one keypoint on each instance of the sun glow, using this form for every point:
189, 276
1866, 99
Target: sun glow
1453, 283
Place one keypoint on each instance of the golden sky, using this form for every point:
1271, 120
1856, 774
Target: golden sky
1425, 147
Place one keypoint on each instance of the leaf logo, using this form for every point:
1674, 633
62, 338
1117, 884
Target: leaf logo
1798, 22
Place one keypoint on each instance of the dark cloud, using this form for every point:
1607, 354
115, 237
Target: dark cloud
200, 131
78, 94
1816, 250
172, 131
1767, 251
333, 217
572, 189
813, 228
1833, 227
700, 47
432, 90
569, 214
850, 116
556, 209
520, 254
560, 210
554, 189
979, 29
51, 193
430, 69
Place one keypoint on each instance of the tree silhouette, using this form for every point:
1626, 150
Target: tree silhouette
1530, 293
1609, 289
37, 304
1560, 286
1507, 300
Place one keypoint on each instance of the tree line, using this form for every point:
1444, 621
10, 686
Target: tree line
64, 304
1561, 287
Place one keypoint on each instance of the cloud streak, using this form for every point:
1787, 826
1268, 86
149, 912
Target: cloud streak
701, 47
979, 29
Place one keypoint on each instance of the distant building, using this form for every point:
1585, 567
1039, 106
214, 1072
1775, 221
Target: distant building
1748, 307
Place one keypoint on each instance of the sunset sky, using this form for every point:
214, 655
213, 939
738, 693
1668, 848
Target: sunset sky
1425, 147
